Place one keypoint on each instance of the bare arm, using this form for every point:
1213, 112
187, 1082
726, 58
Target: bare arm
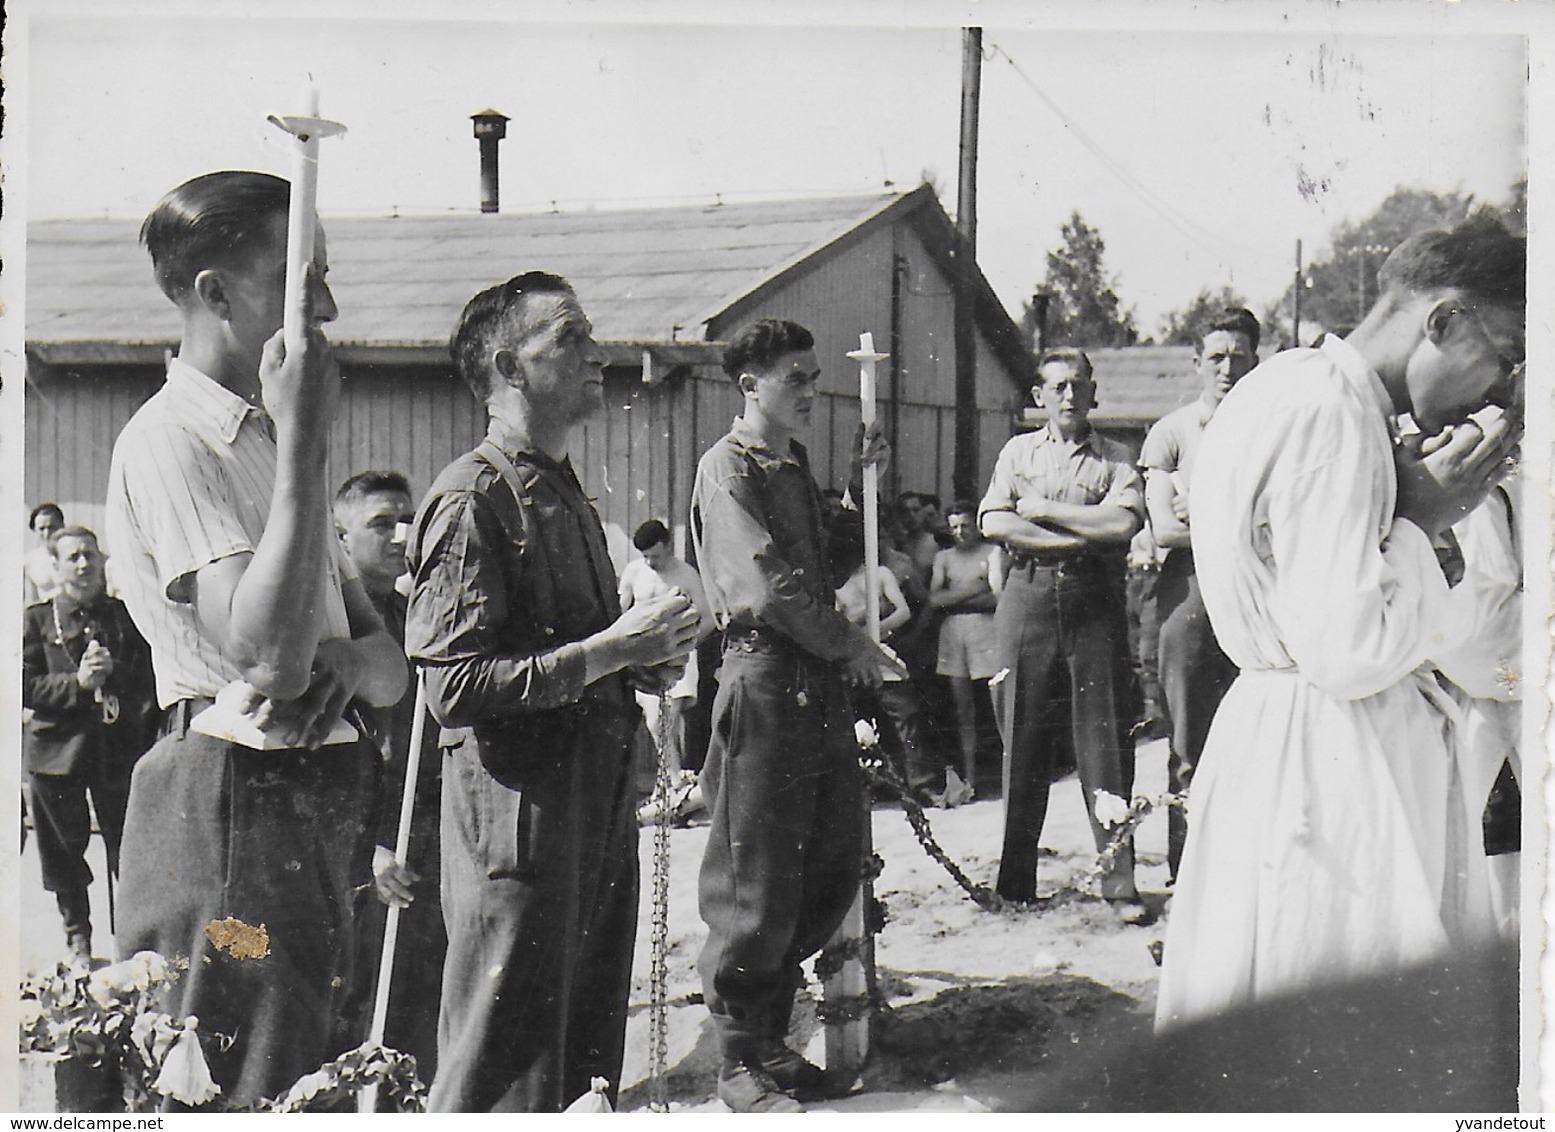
1160, 498
1009, 529
900, 614
249, 603
1093, 522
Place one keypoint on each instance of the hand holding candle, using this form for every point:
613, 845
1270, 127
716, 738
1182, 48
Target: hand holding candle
867, 358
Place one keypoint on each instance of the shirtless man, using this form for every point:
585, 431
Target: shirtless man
961, 586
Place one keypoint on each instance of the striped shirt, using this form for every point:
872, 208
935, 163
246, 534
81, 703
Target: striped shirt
191, 481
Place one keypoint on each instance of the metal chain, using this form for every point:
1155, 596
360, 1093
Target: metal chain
658, 974
879, 770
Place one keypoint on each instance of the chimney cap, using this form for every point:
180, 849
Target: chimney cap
490, 123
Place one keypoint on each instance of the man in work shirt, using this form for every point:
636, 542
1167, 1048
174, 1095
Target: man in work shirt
782, 776
1064, 502
223, 549
515, 623
1194, 672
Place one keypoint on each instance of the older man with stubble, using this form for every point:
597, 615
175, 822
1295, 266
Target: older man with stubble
529, 665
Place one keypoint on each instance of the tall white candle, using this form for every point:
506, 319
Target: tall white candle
867, 359
300, 221
305, 130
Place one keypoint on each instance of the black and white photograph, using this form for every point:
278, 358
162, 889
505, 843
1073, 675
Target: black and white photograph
860, 558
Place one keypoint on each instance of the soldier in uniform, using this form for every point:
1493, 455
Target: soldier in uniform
86, 675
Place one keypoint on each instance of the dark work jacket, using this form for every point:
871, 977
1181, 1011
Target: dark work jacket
66, 734
505, 588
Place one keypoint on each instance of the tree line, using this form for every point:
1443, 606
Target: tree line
1077, 300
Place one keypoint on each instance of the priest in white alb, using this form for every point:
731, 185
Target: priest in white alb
1330, 838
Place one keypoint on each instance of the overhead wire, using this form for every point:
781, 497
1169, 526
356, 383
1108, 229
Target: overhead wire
1190, 229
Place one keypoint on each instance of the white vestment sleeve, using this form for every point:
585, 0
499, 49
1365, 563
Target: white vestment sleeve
1358, 609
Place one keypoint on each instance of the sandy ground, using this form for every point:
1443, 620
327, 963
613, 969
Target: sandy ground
981, 1006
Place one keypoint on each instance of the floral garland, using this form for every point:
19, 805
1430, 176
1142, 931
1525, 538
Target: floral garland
113, 1019
1123, 818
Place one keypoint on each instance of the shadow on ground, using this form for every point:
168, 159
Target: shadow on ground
991, 1041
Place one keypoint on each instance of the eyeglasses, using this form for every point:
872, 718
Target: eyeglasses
1509, 366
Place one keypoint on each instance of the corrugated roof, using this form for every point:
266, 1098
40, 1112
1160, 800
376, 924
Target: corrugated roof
1138, 385
645, 276
1142, 383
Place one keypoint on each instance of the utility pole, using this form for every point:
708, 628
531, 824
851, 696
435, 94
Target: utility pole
964, 474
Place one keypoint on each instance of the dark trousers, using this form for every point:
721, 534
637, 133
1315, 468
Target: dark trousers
1195, 676
540, 902
785, 848
1063, 638
271, 839
410, 1024
64, 827
1144, 633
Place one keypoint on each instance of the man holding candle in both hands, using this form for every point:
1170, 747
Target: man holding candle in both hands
782, 777
515, 621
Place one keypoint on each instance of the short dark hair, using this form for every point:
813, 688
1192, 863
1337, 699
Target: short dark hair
470, 344
845, 545
1480, 258
74, 531
651, 533
929, 499
44, 509
1234, 320
371, 482
762, 343
212, 219
1069, 356
904, 496
962, 507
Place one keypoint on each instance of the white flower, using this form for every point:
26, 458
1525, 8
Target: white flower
137, 973
31, 1013
1110, 809
864, 732
153, 1033
594, 1100
185, 1077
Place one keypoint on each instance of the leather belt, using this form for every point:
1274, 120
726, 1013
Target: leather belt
175, 720
1067, 563
759, 639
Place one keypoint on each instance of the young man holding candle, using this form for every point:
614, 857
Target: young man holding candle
783, 855
243, 862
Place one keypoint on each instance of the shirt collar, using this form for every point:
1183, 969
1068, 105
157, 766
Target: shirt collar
1358, 372
747, 436
1050, 435
203, 400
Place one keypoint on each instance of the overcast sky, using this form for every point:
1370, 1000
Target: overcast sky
1201, 151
